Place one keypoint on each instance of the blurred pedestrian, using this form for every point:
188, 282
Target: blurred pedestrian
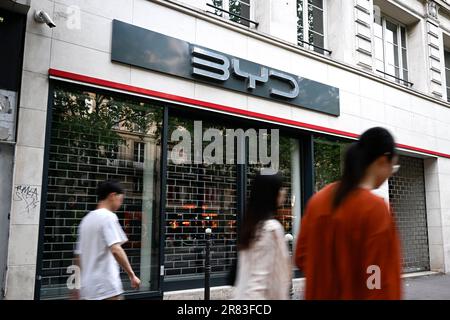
348, 246
263, 268
99, 249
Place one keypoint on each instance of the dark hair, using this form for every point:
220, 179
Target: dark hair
372, 144
104, 189
262, 205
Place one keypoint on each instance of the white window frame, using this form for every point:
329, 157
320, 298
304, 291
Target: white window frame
306, 25
140, 146
226, 7
399, 25
447, 80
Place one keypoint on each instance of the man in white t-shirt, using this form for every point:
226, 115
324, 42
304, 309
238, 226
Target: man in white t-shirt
99, 249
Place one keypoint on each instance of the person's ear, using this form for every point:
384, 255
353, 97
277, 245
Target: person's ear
111, 195
381, 161
396, 159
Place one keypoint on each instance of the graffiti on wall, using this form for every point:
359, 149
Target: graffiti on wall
27, 196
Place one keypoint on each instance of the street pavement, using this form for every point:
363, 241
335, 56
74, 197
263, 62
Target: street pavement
430, 287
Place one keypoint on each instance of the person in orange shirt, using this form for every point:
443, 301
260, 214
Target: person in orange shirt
348, 247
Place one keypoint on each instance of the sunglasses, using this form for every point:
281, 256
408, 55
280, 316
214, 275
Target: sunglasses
395, 168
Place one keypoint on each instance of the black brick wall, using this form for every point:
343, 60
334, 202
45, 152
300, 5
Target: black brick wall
199, 197
77, 164
72, 181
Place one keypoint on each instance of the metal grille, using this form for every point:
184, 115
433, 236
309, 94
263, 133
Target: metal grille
199, 196
407, 197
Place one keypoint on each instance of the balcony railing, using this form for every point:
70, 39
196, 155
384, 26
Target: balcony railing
405, 82
329, 52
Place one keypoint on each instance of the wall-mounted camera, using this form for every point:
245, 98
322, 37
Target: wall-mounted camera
43, 17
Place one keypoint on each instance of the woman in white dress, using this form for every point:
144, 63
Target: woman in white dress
264, 266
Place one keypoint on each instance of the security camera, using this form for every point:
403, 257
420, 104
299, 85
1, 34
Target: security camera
43, 17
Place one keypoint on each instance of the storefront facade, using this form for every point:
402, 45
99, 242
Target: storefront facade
111, 91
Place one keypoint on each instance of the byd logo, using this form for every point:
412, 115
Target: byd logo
216, 66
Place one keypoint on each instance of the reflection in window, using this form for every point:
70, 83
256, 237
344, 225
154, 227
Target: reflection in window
139, 149
199, 196
310, 24
290, 212
91, 141
390, 49
328, 157
237, 9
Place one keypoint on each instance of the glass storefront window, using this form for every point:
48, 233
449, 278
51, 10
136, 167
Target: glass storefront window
96, 137
199, 196
328, 157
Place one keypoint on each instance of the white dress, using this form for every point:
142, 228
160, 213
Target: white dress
264, 270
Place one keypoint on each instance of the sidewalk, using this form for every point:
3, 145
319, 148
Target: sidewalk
432, 287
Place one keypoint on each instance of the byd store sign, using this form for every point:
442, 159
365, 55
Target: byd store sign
154, 51
204, 65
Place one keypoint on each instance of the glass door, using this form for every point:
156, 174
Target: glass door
201, 193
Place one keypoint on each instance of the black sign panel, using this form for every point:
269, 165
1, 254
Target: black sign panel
154, 51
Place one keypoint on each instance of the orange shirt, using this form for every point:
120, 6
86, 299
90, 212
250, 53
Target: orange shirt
337, 249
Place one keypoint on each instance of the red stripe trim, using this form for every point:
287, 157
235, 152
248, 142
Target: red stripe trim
214, 106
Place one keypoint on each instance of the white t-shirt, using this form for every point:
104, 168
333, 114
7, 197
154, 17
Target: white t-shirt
100, 272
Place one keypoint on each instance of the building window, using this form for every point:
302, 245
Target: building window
139, 149
138, 184
310, 25
234, 10
390, 49
447, 72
